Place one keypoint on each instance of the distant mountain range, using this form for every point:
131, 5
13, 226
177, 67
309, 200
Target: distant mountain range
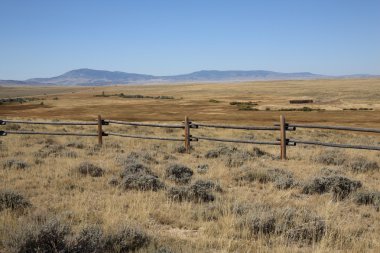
91, 77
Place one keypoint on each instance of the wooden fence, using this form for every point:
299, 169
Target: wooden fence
283, 127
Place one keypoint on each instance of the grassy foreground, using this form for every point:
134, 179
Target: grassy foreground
66, 194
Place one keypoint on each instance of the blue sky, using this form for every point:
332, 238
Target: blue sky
163, 37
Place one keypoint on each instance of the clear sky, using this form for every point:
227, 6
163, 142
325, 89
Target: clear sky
163, 37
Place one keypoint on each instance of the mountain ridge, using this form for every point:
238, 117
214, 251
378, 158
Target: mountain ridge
85, 76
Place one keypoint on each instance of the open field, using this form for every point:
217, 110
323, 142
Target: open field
67, 194
319, 200
208, 102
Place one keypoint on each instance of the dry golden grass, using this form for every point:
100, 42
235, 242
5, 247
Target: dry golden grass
55, 188
193, 100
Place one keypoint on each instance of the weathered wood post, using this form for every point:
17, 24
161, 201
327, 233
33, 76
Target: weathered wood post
187, 134
283, 137
100, 130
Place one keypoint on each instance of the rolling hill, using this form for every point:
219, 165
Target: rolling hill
102, 77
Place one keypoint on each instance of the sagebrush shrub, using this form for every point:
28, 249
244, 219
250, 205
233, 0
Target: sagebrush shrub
90, 169
133, 168
296, 225
341, 187
39, 236
202, 168
233, 157
15, 164
367, 198
126, 238
179, 173
282, 179
12, 200
361, 165
89, 240
78, 145
141, 181
330, 157
135, 158
200, 191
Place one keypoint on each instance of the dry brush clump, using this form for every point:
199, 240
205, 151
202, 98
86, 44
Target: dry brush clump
15, 164
234, 157
90, 169
199, 191
89, 240
54, 150
280, 178
50, 234
340, 186
125, 238
135, 157
367, 198
294, 225
13, 200
141, 181
46, 235
179, 173
139, 177
362, 164
75, 144
357, 164
202, 168
330, 157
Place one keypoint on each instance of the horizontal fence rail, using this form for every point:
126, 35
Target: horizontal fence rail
143, 124
46, 133
236, 141
237, 127
145, 137
94, 123
334, 145
343, 128
187, 127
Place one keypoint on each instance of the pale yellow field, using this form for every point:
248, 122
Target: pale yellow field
193, 100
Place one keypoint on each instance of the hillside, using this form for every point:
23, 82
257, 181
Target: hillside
90, 77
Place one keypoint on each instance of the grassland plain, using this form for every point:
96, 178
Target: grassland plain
67, 194
149, 196
338, 102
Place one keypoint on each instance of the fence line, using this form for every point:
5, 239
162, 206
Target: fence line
187, 125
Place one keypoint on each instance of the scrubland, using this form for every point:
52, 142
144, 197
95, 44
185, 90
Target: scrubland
67, 194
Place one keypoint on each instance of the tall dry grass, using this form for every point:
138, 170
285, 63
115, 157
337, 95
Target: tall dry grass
249, 213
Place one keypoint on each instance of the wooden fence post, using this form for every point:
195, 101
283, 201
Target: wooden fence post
283, 137
187, 135
100, 130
